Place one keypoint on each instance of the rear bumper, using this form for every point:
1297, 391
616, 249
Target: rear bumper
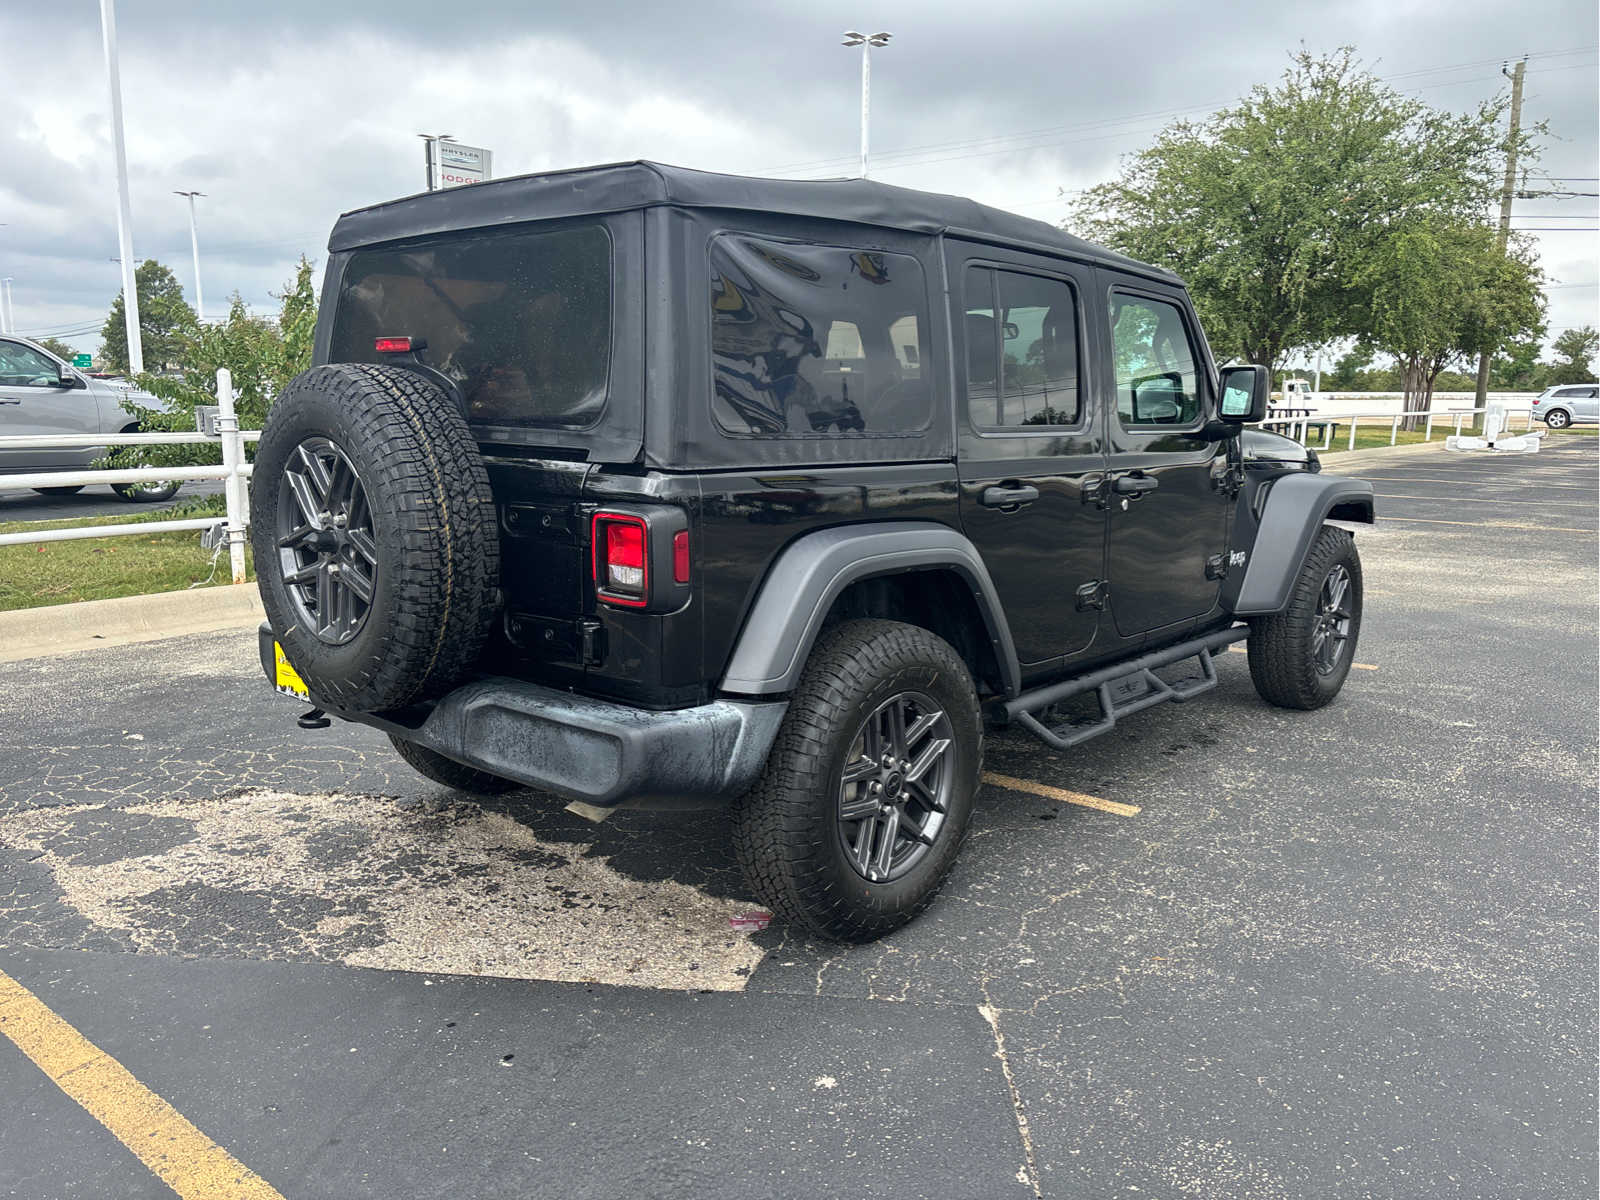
591, 750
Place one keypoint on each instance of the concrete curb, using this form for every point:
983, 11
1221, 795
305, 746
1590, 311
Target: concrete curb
1334, 464
94, 624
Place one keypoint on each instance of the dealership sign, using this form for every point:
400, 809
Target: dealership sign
455, 164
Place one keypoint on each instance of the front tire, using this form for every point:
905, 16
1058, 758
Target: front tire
450, 773
869, 788
1558, 418
1300, 657
60, 491
146, 493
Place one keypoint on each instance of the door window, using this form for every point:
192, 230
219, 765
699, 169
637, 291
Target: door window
1157, 381
1022, 351
23, 366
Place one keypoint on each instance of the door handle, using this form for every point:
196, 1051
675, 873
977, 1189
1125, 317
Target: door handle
3, 400
1134, 485
1009, 496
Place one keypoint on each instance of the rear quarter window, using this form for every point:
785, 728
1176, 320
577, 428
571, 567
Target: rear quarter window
521, 320
817, 341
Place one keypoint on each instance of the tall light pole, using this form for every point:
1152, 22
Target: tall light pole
866, 41
433, 140
8, 322
130, 287
194, 245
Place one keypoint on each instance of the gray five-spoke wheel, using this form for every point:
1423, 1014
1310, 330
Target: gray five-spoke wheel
1331, 632
326, 547
895, 789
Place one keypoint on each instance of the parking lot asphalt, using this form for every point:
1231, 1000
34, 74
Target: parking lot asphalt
1225, 950
98, 501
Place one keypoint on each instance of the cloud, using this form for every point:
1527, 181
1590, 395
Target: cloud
286, 114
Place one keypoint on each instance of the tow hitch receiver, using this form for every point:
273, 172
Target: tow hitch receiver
1120, 690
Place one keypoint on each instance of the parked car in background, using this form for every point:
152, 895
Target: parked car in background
1572, 404
41, 395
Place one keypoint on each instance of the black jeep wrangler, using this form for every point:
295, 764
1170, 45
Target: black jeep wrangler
634, 483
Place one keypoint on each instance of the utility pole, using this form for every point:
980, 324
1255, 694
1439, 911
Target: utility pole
130, 287
1508, 191
8, 322
194, 245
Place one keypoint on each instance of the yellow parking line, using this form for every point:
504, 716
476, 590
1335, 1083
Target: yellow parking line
1055, 793
185, 1159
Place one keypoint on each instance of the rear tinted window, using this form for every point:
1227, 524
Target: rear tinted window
522, 321
817, 341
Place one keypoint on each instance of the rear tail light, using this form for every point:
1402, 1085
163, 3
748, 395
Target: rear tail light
621, 559
641, 557
392, 345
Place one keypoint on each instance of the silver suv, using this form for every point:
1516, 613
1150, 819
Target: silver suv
40, 394
1572, 404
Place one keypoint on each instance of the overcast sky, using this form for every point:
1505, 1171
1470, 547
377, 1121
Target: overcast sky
288, 112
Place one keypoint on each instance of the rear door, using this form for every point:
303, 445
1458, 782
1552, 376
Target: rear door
32, 403
1169, 499
1030, 443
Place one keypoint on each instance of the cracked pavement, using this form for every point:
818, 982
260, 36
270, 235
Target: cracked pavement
1350, 952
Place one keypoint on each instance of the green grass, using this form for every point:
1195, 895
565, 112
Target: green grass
32, 576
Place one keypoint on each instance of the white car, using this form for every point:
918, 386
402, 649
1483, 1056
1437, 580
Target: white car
41, 395
1570, 404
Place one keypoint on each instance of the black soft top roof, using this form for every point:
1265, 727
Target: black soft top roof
620, 187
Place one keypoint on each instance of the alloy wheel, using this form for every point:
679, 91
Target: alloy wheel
326, 548
895, 789
1331, 632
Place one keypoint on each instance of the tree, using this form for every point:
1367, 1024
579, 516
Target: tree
1348, 370
1439, 290
165, 321
1269, 209
1575, 350
57, 347
260, 353
1517, 367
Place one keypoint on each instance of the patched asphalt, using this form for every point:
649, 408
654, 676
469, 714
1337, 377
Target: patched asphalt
1350, 952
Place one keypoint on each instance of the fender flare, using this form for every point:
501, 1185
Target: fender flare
809, 574
1295, 507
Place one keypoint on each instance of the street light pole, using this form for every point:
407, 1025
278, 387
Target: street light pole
130, 287
866, 41
8, 322
194, 246
432, 141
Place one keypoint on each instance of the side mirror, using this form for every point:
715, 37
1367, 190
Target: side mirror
1245, 391
65, 378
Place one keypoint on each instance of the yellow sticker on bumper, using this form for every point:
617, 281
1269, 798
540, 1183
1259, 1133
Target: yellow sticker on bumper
285, 677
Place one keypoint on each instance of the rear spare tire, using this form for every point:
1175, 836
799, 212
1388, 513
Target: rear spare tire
374, 534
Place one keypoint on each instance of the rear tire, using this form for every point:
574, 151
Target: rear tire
449, 772
1558, 418
1300, 657
374, 533
810, 838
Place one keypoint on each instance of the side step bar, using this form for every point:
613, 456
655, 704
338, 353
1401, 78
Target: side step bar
1122, 689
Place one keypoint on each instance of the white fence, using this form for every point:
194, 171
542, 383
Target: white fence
1298, 427
233, 472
